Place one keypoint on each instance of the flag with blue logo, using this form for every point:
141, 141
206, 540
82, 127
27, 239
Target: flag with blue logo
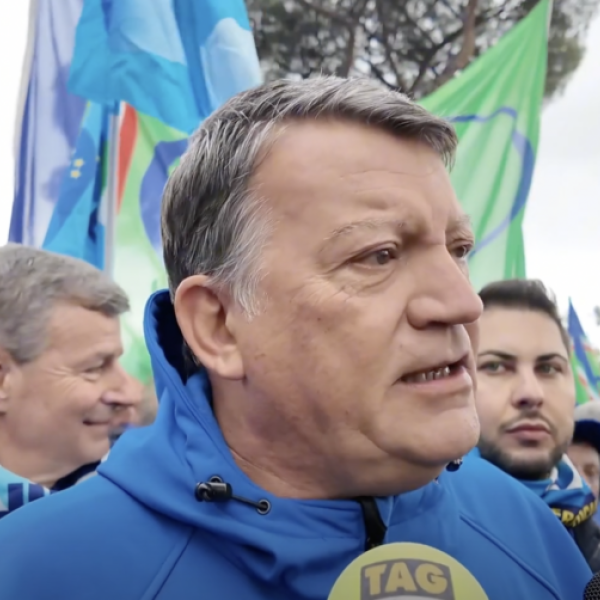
495, 106
175, 60
49, 118
77, 226
584, 355
172, 63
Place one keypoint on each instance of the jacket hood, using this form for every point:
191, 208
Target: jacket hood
162, 465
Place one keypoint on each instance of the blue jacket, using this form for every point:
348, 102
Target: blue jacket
137, 531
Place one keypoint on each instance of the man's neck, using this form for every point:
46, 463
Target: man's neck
289, 468
32, 467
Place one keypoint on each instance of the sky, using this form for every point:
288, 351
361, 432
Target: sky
562, 220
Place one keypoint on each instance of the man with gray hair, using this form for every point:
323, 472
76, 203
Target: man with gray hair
62, 389
313, 360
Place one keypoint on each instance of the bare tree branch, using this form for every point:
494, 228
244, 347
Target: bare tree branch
348, 61
386, 41
349, 57
325, 12
413, 46
450, 38
450, 8
461, 60
380, 75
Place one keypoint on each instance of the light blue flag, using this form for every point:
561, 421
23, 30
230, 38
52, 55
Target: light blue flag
76, 228
175, 60
49, 118
587, 356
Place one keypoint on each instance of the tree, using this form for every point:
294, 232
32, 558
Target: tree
413, 46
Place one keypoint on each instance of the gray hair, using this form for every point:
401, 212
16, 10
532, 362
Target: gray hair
213, 223
33, 282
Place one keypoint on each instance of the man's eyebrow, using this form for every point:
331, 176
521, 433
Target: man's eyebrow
103, 355
551, 356
371, 224
507, 356
460, 223
497, 353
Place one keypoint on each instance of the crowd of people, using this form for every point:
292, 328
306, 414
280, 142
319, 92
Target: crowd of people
329, 381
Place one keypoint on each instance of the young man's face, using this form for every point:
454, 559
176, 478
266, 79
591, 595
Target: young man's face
525, 393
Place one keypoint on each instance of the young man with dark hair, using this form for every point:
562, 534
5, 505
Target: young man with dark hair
526, 400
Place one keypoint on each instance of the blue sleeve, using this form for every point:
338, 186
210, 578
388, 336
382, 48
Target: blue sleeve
28, 566
83, 544
523, 528
564, 563
56, 548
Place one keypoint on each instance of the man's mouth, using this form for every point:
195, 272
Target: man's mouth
532, 426
443, 371
96, 423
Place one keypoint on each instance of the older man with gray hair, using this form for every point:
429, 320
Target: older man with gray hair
62, 389
313, 360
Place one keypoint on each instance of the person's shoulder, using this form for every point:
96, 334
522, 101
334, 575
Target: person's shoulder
489, 496
513, 518
58, 545
490, 478
587, 538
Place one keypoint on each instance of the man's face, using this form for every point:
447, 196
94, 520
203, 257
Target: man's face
63, 405
525, 392
363, 348
128, 403
587, 462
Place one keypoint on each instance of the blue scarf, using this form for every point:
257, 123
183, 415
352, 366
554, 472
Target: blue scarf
566, 493
16, 491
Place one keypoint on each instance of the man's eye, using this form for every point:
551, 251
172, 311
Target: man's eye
462, 251
379, 257
548, 369
97, 368
94, 369
492, 367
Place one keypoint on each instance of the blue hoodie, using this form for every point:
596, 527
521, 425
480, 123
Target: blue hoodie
137, 531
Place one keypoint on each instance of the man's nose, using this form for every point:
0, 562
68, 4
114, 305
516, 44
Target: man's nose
527, 392
126, 391
444, 294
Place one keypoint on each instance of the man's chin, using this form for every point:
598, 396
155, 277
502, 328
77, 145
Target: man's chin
522, 463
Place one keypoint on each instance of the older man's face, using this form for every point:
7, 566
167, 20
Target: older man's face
363, 347
60, 408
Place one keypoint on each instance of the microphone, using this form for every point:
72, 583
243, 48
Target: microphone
407, 572
592, 589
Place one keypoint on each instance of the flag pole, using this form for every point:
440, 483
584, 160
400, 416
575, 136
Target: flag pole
112, 190
26, 74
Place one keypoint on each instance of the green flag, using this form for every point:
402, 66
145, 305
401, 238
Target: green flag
495, 106
154, 151
584, 391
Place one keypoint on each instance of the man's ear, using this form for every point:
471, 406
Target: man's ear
7, 368
207, 324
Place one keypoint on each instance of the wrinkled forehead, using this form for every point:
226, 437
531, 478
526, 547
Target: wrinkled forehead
525, 334
78, 331
329, 174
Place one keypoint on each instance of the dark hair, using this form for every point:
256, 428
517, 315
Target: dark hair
524, 294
